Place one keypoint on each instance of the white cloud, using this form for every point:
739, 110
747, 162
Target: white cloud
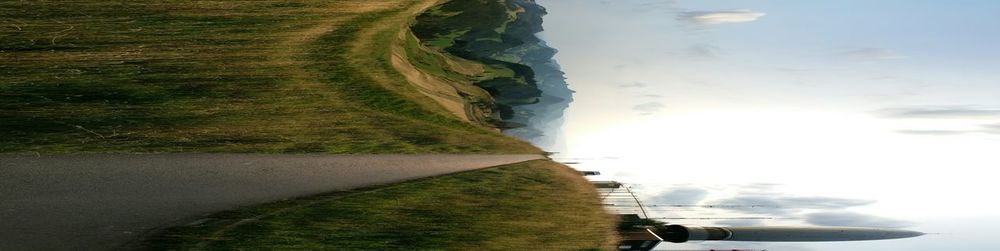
681, 196
934, 132
720, 17
970, 116
992, 128
947, 112
851, 219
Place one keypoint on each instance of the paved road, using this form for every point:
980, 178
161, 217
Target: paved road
101, 202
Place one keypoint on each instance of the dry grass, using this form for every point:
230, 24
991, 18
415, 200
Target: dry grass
277, 76
537, 205
218, 76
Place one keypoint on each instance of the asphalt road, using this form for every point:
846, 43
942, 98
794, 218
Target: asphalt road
104, 202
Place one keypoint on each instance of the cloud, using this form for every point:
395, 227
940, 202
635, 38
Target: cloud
681, 196
939, 113
933, 132
830, 211
871, 54
988, 129
991, 128
786, 206
817, 202
773, 205
649, 107
719, 17
814, 210
851, 219
633, 85
760, 186
740, 223
944, 112
652, 96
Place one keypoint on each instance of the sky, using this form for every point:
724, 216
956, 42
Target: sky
852, 112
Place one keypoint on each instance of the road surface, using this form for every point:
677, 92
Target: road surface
104, 202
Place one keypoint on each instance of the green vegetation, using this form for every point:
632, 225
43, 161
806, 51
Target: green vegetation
231, 76
482, 31
472, 19
430, 62
445, 40
433, 62
537, 205
291, 76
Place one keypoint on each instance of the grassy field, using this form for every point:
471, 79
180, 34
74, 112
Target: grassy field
537, 205
286, 76
219, 76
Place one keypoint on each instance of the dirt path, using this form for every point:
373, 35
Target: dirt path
292, 53
101, 202
433, 87
419, 86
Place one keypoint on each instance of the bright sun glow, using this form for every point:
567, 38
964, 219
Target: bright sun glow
822, 150
829, 100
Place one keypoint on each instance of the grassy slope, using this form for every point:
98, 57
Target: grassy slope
536, 205
483, 31
276, 76
207, 76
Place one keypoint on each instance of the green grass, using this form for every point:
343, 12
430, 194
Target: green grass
485, 31
446, 40
495, 71
278, 76
537, 205
208, 76
434, 63
429, 62
476, 16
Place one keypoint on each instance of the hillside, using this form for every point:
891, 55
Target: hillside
537, 205
529, 88
295, 76
232, 76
